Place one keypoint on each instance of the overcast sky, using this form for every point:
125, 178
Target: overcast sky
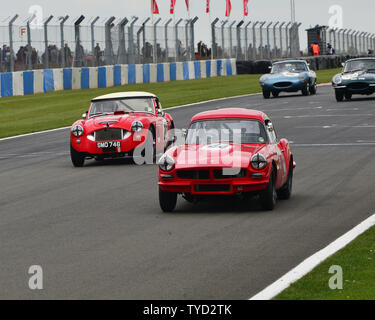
356, 14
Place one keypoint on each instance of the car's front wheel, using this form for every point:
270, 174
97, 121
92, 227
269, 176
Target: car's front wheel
266, 94
78, 158
167, 200
305, 91
339, 95
268, 197
313, 89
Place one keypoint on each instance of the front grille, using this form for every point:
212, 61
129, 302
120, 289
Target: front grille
282, 84
358, 85
193, 174
108, 134
229, 173
212, 188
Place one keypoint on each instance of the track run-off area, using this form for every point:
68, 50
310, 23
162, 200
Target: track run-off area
98, 231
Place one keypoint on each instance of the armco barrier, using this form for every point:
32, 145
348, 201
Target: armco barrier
48, 80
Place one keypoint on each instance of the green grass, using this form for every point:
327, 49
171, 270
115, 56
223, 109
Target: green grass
358, 264
45, 111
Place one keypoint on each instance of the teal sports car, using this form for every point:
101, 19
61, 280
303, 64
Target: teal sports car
357, 77
289, 76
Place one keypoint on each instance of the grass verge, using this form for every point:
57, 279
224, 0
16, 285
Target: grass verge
358, 264
26, 114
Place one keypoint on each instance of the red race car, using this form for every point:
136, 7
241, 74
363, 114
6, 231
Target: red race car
227, 152
125, 124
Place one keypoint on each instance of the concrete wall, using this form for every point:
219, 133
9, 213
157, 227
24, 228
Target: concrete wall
49, 80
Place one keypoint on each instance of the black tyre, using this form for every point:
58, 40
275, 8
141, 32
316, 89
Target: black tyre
266, 94
339, 95
167, 200
78, 159
306, 91
348, 96
275, 94
313, 88
286, 191
268, 197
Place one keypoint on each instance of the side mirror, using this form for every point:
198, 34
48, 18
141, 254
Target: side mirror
270, 67
270, 127
343, 64
84, 116
161, 113
184, 132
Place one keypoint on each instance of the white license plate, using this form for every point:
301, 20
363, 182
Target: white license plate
109, 144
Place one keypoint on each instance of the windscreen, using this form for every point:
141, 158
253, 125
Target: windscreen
359, 65
224, 130
289, 67
128, 105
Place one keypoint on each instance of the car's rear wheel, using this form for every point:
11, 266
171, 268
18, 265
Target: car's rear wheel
78, 158
266, 94
268, 197
167, 200
313, 88
275, 94
348, 96
286, 191
339, 95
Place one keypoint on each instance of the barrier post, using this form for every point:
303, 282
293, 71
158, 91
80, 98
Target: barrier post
176, 40
287, 39
268, 41
79, 54
46, 53
108, 51
255, 41
62, 21
92, 27
29, 62
121, 52
11, 42
275, 40
192, 44
222, 38
247, 41
231, 39
261, 38
131, 41
166, 39
155, 51
281, 38
239, 46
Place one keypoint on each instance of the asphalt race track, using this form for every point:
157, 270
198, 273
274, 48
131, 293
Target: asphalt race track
98, 231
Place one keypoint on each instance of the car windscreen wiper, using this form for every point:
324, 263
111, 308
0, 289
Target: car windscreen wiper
97, 114
355, 70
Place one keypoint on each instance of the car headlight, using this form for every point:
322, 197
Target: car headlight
77, 131
166, 162
301, 77
137, 126
337, 78
258, 161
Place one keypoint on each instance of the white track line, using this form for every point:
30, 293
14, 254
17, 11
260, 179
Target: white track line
171, 108
310, 263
